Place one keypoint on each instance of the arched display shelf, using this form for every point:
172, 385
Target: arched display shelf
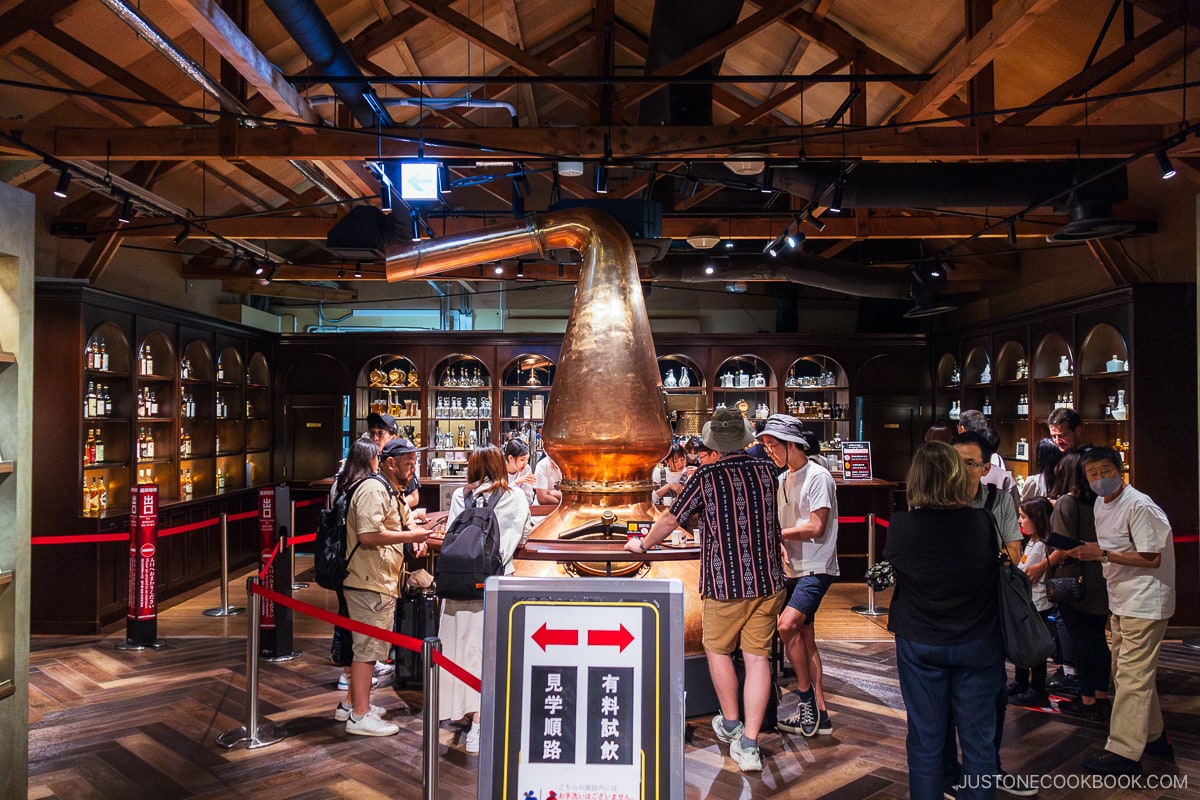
390, 383
678, 373
977, 368
747, 382
155, 440
459, 404
1104, 351
947, 372
817, 388
1048, 358
1011, 364
258, 421
197, 427
526, 382
107, 411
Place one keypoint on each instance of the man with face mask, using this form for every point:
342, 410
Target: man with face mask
1134, 543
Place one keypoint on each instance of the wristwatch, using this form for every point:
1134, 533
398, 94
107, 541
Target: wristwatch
1103, 556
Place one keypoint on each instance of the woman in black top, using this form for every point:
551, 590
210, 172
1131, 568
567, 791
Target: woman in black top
945, 616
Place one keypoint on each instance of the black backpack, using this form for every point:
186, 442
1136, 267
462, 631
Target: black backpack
471, 550
330, 562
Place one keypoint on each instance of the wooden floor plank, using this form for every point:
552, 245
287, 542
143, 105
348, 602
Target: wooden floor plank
110, 724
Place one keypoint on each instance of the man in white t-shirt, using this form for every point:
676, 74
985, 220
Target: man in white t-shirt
546, 477
808, 519
1134, 543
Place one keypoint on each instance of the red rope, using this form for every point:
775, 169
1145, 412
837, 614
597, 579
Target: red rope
881, 522
391, 637
95, 537
189, 527
312, 501
850, 520
262, 576
241, 516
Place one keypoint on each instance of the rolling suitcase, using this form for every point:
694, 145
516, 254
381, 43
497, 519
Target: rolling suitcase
416, 616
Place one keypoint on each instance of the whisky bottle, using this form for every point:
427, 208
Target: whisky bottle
107, 402
152, 407
94, 497
89, 449
99, 447
87, 497
89, 355
103, 494
220, 371
220, 478
987, 406
103, 356
141, 400
188, 483
89, 402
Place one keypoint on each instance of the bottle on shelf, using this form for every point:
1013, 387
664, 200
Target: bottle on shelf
141, 401
87, 496
90, 353
146, 361
1122, 449
89, 401
103, 355
1023, 405
987, 407
107, 402
152, 403
220, 371
103, 500
99, 446
89, 448
1120, 410
94, 497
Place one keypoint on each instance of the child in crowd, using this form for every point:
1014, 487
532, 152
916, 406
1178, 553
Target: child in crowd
1029, 685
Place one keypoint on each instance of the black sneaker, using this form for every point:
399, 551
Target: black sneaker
1016, 785
1106, 763
805, 721
1029, 697
1076, 708
1063, 682
1160, 748
824, 726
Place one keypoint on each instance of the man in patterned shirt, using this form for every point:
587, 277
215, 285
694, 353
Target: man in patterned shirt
741, 574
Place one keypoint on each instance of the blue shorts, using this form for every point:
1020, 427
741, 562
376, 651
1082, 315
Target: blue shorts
806, 594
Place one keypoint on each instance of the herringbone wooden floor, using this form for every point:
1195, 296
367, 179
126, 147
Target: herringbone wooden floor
108, 724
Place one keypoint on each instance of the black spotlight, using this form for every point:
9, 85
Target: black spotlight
1164, 165
64, 181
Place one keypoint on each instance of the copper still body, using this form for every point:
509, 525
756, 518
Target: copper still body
606, 421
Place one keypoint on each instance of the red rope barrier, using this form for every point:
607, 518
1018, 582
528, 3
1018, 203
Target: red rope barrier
304, 538
850, 520
312, 501
881, 522
86, 538
191, 526
262, 576
240, 516
391, 637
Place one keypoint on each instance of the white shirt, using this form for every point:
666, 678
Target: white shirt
525, 488
1133, 523
547, 475
512, 517
1035, 553
802, 492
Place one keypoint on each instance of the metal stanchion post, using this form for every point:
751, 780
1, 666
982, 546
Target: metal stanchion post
224, 610
870, 610
292, 561
429, 716
254, 734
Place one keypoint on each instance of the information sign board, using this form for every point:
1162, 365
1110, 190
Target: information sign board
582, 689
856, 461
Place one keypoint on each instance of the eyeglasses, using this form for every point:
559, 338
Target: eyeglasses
973, 464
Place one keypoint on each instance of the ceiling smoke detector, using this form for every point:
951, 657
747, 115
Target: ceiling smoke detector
703, 241
746, 163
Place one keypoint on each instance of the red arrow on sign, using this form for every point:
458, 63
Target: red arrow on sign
544, 637
620, 638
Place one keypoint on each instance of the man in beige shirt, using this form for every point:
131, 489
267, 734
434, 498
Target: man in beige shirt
376, 524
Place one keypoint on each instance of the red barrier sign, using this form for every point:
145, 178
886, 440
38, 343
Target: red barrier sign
266, 535
141, 622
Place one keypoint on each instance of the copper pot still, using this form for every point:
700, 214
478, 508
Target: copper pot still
606, 420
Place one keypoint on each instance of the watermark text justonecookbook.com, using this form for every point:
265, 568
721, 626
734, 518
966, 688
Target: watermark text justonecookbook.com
1081, 781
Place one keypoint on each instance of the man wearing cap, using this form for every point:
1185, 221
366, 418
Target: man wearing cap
375, 524
808, 522
382, 428
741, 575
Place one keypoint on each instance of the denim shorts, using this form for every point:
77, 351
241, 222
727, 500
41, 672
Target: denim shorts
806, 594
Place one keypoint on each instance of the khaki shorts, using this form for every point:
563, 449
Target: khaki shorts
371, 608
750, 622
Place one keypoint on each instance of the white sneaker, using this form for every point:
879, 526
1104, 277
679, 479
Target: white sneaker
749, 759
371, 724
383, 668
342, 713
472, 743
344, 682
718, 724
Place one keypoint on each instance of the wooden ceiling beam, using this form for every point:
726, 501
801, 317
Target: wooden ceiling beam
18, 25
498, 46
971, 55
279, 287
588, 142
1098, 72
769, 12
315, 228
1116, 264
101, 253
224, 36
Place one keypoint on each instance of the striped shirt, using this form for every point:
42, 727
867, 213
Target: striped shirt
734, 501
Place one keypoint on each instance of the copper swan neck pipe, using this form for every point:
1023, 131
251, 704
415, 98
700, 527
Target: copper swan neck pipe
606, 425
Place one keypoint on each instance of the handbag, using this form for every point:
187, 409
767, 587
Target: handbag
1065, 591
1027, 642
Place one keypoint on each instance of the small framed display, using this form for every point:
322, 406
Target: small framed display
1021, 453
